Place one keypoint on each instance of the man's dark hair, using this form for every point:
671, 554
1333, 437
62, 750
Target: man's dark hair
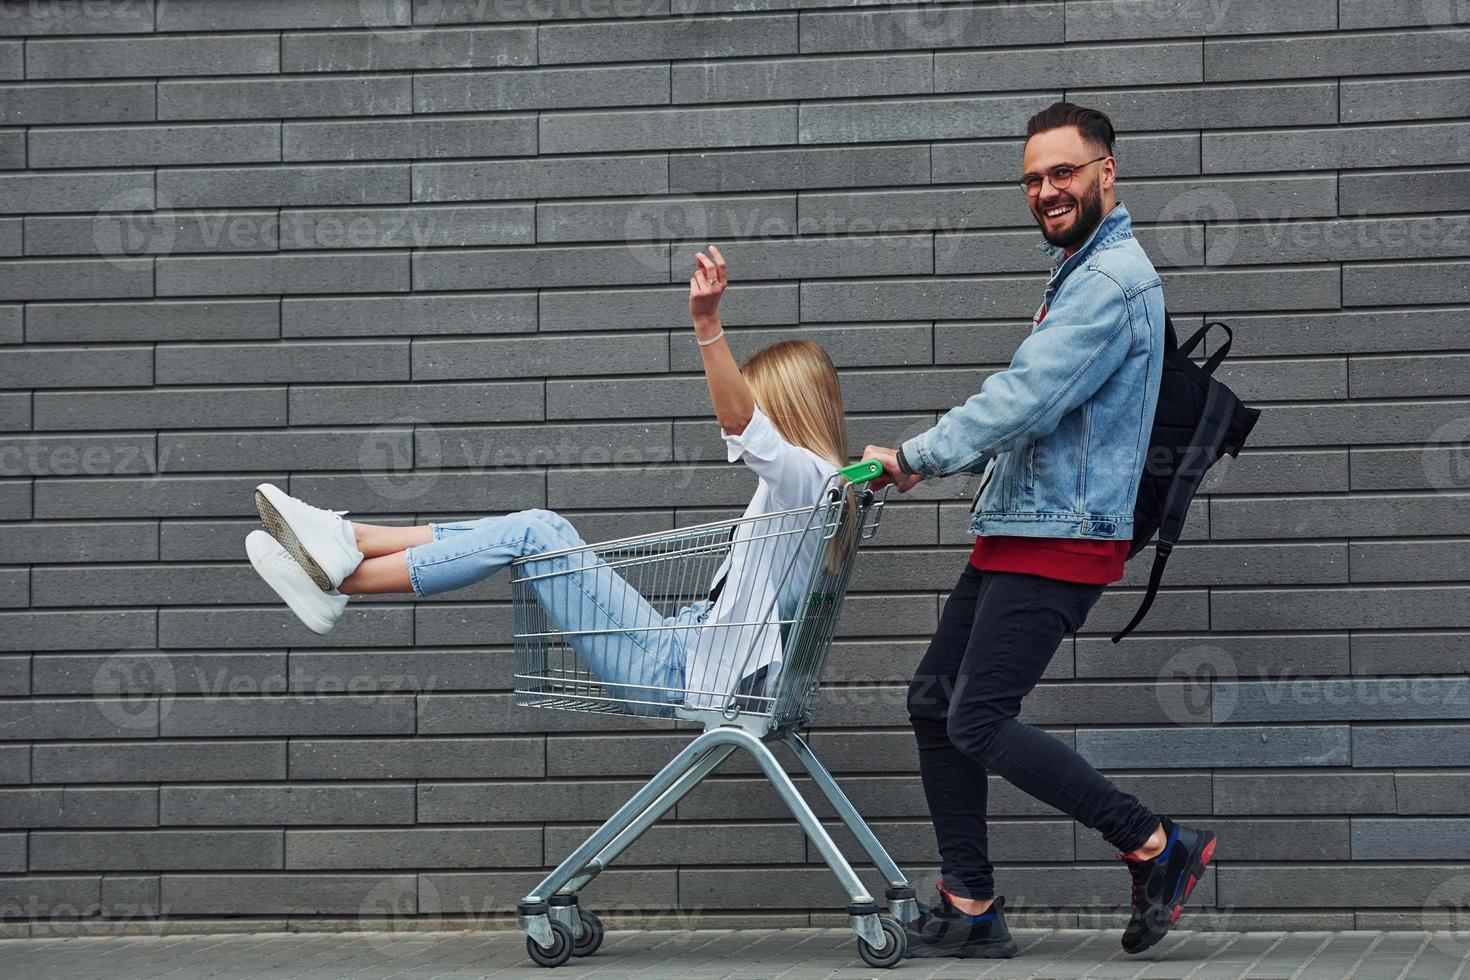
1095, 126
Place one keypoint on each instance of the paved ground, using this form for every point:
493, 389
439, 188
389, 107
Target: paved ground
749, 955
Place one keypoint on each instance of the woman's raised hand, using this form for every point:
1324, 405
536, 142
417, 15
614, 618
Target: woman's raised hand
707, 285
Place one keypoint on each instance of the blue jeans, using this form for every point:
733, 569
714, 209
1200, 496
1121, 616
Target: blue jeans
640, 660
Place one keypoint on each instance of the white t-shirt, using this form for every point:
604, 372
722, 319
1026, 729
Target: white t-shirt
791, 477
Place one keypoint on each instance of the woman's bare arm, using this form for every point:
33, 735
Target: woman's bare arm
733, 400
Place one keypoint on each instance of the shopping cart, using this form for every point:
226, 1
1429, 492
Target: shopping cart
750, 671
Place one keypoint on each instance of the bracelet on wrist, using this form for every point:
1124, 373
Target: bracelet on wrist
706, 343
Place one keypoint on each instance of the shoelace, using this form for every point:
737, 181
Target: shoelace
1136, 872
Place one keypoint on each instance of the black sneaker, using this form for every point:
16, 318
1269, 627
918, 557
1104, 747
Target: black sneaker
1163, 882
944, 930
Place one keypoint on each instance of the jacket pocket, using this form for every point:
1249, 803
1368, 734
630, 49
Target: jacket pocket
1028, 471
989, 472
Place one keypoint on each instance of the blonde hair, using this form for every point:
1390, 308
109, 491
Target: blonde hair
796, 386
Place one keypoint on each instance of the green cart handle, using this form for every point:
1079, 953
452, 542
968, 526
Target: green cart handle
868, 469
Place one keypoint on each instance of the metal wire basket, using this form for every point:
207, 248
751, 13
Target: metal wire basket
733, 617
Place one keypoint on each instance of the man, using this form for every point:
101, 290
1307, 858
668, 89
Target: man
1061, 436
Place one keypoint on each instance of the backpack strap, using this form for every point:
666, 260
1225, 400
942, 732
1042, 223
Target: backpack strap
1203, 451
1214, 360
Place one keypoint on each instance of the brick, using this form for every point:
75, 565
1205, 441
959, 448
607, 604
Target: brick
161, 408
451, 313
521, 267
1319, 745
80, 807
12, 149
1356, 14
1099, 19
421, 138
1409, 745
547, 88
103, 762
801, 78
156, 850
1388, 100
1238, 59
936, 118
436, 847
53, 103
816, 167
417, 758
101, 718
404, 50
131, 57
120, 190
970, 26
429, 403
1220, 107
247, 805
81, 630
153, 320
129, 18
283, 362
570, 310
368, 183
78, 367
668, 217
144, 497
286, 98
1397, 191
196, 15
1328, 149
276, 626
322, 272
1409, 653
1303, 793
276, 894
33, 279
1431, 792
1386, 284
672, 39
142, 146
408, 228
513, 179
1341, 240
678, 128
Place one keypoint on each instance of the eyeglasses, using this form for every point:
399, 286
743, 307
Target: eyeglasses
1060, 176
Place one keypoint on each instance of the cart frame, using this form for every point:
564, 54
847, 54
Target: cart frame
550, 916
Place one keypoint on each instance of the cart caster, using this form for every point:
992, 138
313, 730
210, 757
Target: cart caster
895, 945
558, 952
591, 937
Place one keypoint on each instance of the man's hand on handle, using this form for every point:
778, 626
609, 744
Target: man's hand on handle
891, 473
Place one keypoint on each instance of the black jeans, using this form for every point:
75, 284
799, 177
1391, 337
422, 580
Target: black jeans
996, 635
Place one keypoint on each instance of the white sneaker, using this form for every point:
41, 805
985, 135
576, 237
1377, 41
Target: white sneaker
317, 609
315, 537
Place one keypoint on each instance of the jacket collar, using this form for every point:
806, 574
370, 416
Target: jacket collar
1116, 224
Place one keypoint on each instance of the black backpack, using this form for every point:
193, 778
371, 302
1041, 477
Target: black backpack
1197, 420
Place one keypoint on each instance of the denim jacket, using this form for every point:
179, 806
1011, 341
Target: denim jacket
1062, 433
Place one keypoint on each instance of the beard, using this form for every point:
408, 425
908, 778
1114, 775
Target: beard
1086, 216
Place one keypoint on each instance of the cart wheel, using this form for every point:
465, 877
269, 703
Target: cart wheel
893, 949
591, 938
560, 950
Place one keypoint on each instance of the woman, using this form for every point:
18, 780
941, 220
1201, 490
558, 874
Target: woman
781, 414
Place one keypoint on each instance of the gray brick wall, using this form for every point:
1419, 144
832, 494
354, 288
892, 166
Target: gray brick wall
427, 259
